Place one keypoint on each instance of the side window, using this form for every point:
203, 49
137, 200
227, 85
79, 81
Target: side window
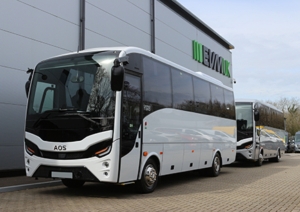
217, 101
202, 96
44, 97
131, 112
263, 113
157, 85
182, 90
229, 104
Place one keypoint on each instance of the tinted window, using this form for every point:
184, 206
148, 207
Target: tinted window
182, 90
157, 84
44, 97
263, 115
217, 101
202, 96
229, 104
131, 112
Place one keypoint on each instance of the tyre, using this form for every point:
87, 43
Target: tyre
70, 183
277, 158
260, 160
149, 178
215, 169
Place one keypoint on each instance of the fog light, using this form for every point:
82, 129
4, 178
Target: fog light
106, 164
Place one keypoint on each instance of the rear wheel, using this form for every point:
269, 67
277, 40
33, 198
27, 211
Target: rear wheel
149, 179
70, 183
277, 158
260, 160
215, 169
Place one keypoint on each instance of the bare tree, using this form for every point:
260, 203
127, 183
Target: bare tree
291, 109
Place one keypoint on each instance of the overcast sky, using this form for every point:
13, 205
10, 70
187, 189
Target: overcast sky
266, 39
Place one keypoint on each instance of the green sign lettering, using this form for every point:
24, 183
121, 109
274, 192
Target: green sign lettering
204, 55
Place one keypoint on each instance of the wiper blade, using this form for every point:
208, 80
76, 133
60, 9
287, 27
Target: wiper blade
68, 109
89, 119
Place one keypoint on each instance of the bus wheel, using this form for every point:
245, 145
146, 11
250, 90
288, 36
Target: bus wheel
215, 169
149, 179
277, 158
70, 183
260, 160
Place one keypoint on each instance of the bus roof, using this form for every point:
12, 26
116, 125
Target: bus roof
257, 101
129, 49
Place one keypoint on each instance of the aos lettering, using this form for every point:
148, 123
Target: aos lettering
60, 147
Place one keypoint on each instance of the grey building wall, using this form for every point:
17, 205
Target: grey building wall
30, 31
174, 35
33, 30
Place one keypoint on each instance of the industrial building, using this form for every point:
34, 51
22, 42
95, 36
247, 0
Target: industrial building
33, 30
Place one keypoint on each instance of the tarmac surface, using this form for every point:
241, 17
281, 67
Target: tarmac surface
239, 187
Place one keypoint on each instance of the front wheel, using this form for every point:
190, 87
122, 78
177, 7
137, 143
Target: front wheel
70, 183
149, 179
215, 169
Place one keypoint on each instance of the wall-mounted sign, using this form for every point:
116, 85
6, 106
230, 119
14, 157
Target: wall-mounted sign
204, 55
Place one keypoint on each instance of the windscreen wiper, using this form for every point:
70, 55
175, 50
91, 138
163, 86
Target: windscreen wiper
67, 109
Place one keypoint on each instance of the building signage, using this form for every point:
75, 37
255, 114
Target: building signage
204, 55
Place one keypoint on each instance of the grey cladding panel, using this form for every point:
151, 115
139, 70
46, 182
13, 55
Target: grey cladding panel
107, 24
40, 25
12, 157
123, 12
11, 124
12, 87
22, 53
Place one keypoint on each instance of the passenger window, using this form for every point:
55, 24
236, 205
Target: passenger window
202, 96
229, 104
182, 90
157, 85
217, 100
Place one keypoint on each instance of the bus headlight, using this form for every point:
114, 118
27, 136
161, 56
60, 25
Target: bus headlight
102, 152
248, 146
31, 148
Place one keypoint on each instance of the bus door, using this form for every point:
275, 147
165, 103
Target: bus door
131, 128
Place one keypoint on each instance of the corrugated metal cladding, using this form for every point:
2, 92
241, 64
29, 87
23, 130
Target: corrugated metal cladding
33, 30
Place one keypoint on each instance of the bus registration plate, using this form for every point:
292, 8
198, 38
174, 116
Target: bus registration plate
68, 175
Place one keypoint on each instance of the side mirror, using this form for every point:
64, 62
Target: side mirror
256, 115
117, 74
27, 84
117, 78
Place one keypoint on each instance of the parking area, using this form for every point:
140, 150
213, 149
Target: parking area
239, 187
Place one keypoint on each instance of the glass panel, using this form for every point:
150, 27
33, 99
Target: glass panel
244, 117
182, 90
202, 96
75, 87
229, 104
157, 85
131, 112
45, 93
218, 103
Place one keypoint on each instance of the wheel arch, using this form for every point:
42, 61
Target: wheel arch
218, 152
155, 158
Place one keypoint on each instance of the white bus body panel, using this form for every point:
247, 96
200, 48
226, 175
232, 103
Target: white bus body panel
130, 163
168, 129
94, 165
